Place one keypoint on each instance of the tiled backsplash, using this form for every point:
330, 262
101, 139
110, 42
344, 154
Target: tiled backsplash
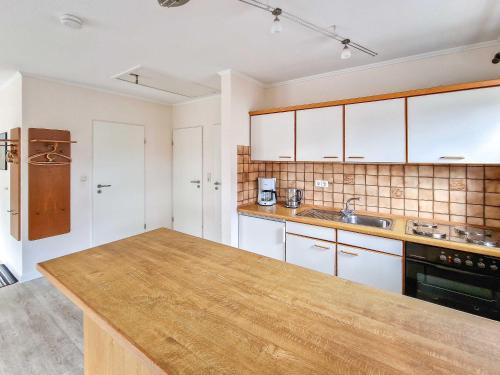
464, 194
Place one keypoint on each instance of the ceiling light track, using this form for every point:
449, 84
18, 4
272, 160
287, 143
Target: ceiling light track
298, 20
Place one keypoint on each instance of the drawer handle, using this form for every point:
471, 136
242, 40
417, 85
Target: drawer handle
349, 253
356, 157
330, 157
321, 247
284, 157
452, 157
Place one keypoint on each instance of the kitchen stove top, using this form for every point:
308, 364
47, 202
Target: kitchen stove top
454, 233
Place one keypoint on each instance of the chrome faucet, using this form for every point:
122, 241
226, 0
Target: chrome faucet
348, 211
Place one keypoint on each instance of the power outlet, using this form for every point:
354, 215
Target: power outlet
321, 183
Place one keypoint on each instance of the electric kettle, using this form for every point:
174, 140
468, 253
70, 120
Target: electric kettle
293, 198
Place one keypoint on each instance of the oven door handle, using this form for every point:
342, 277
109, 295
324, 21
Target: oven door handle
490, 301
450, 269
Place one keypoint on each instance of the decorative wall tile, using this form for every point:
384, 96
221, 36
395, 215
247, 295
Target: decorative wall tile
463, 194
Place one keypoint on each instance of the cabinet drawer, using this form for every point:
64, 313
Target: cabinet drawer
327, 234
386, 245
310, 253
379, 270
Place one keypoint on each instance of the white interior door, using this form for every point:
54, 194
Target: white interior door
212, 196
187, 181
118, 181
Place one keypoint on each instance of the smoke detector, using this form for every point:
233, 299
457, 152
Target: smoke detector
71, 21
172, 3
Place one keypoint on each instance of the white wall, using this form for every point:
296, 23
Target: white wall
446, 67
240, 94
10, 117
199, 112
48, 104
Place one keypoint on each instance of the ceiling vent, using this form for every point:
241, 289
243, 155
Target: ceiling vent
172, 3
149, 78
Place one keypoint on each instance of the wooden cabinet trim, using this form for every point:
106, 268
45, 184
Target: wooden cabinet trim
372, 98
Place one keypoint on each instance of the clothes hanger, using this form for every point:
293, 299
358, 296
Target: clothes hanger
51, 157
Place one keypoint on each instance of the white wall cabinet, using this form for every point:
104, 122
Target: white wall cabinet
273, 137
262, 236
310, 253
375, 132
371, 268
320, 134
455, 127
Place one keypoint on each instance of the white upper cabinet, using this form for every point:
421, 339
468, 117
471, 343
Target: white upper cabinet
320, 135
455, 127
375, 132
273, 137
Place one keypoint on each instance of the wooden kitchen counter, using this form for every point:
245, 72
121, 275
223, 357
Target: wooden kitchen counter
168, 303
398, 230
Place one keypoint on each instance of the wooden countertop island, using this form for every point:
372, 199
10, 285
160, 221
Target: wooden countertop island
168, 303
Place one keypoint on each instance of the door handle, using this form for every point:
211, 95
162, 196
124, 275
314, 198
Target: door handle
195, 182
102, 186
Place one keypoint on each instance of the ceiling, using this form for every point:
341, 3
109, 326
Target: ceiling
196, 41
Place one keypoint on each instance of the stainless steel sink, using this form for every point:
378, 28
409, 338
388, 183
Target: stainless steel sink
370, 221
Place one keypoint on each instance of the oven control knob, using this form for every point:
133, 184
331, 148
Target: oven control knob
457, 261
481, 265
469, 263
442, 257
494, 267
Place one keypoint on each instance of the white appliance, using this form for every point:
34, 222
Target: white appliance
266, 195
262, 236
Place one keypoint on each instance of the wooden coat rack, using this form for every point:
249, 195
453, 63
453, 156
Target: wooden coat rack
49, 162
13, 145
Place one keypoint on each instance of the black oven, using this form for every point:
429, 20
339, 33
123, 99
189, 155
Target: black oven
460, 280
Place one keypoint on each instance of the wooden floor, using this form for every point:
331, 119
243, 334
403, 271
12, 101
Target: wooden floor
40, 331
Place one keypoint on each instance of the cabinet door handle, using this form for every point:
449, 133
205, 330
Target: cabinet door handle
284, 157
321, 247
349, 253
355, 157
330, 157
452, 157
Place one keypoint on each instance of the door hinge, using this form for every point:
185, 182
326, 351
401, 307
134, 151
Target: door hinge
144, 226
144, 140
172, 219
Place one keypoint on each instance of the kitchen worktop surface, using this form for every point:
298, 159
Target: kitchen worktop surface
185, 305
398, 230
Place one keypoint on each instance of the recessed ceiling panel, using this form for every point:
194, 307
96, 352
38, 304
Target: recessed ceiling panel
154, 80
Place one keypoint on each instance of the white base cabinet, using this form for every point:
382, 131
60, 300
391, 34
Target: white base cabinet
262, 236
371, 268
333, 252
310, 253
